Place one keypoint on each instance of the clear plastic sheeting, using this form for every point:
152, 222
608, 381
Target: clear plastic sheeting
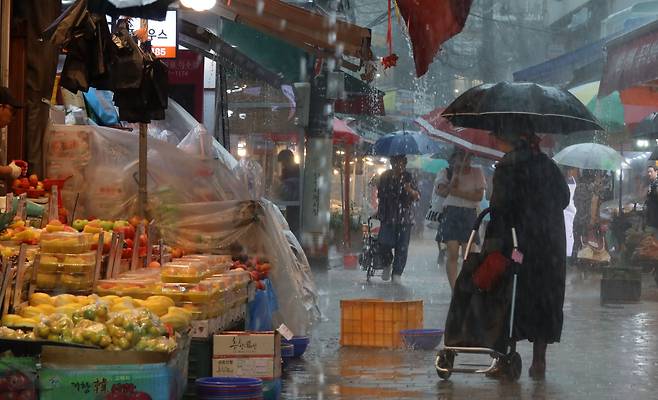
251, 174
256, 226
200, 197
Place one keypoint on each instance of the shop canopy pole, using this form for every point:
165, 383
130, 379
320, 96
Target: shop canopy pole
143, 147
621, 177
346, 197
143, 144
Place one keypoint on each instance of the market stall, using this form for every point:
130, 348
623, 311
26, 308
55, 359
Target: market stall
97, 302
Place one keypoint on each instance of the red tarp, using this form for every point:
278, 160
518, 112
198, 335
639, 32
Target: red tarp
631, 59
430, 23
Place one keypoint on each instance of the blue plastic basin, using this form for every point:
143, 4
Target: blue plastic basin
300, 342
423, 339
287, 350
229, 388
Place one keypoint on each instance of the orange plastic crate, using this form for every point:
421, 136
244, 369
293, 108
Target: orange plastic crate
377, 323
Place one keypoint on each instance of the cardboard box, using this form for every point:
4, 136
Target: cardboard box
90, 374
250, 344
247, 354
248, 367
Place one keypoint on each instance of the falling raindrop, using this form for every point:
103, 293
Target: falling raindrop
260, 5
331, 37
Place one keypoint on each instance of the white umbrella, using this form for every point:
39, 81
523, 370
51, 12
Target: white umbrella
590, 156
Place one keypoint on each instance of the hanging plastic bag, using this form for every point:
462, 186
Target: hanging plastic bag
100, 106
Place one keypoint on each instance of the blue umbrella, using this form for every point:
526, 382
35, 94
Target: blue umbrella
402, 143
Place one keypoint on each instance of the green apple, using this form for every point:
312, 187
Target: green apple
107, 225
121, 223
79, 224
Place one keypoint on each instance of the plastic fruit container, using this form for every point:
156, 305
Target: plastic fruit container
76, 282
240, 278
47, 280
199, 293
67, 263
65, 242
190, 271
215, 264
137, 288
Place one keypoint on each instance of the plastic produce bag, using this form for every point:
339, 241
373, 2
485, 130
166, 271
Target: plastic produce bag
99, 104
260, 310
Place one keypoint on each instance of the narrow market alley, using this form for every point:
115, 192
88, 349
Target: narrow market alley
607, 352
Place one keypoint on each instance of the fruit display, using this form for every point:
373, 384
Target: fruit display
65, 242
19, 232
109, 322
216, 264
67, 263
178, 318
128, 228
184, 271
12, 250
140, 288
16, 334
31, 185
258, 268
77, 282
56, 225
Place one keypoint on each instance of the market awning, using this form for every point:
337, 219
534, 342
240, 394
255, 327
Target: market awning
631, 60
343, 133
312, 32
560, 70
213, 47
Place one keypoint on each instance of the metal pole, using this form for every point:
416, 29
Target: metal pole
221, 107
143, 154
143, 169
346, 196
621, 173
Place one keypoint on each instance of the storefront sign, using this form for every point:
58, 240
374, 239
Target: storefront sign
164, 36
186, 81
631, 60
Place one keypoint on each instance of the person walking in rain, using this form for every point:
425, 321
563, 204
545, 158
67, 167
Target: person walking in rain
397, 192
587, 199
651, 205
463, 189
530, 195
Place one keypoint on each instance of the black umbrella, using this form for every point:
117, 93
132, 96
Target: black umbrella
520, 107
647, 128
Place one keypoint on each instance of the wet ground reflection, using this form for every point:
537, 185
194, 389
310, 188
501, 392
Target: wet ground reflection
606, 352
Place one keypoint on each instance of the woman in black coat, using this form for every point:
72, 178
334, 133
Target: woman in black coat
530, 194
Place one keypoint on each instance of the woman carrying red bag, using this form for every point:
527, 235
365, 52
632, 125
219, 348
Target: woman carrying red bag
530, 194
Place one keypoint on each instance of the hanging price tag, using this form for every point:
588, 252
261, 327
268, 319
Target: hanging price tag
285, 332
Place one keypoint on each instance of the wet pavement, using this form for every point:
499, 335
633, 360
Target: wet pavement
607, 352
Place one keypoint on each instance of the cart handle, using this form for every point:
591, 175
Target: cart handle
476, 228
480, 218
